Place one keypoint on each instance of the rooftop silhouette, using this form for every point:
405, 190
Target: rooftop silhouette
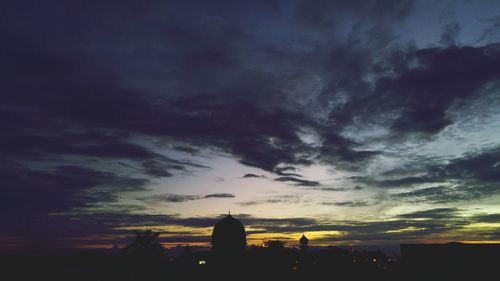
230, 257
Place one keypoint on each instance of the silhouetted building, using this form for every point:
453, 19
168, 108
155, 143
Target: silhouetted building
450, 259
303, 242
275, 245
229, 236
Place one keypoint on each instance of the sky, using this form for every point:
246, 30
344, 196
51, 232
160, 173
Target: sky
354, 122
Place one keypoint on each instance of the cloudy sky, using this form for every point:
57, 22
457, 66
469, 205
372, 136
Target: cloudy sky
355, 122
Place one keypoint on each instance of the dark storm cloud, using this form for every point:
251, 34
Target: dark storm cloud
339, 189
353, 204
171, 198
488, 218
434, 193
158, 169
286, 171
237, 119
40, 141
164, 166
413, 91
346, 158
483, 167
440, 213
333, 189
408, 181
219, 195
449, 194
29, 195
423, 94
490, 235
257, 137
71, 106
190, 150
472, 177
342, 152
400, 182
252, 176
161, 166
297, 181
179, 198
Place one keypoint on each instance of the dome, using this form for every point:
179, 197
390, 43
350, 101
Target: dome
229, 235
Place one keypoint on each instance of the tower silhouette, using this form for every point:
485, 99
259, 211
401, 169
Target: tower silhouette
303, 242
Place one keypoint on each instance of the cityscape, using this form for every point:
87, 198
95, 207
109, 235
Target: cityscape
231, 258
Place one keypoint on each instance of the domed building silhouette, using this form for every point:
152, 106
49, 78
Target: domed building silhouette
229, 236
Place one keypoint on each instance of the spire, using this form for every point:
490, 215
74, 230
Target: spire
303, 241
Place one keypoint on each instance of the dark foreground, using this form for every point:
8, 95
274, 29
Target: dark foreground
418, 262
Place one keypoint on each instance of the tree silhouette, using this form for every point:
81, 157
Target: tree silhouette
145, 245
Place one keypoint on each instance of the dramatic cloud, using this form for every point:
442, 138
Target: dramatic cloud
483, 167
178, 198
114, 111
434, 214
350, 203
59, 188
423, 94
252, 176
220, 195
272, 200
297, 181
471, 177
29, 196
